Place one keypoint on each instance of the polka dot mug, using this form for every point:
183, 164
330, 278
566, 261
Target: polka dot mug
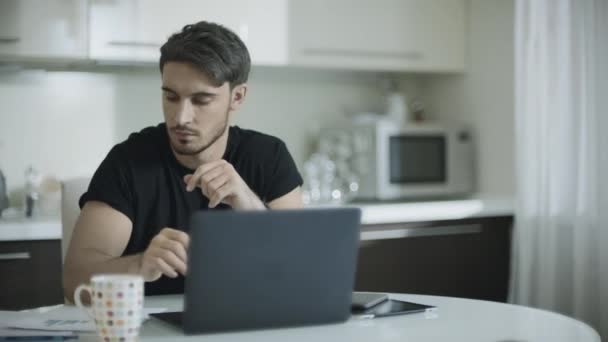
116, 305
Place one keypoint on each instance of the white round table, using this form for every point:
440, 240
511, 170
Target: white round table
455, 319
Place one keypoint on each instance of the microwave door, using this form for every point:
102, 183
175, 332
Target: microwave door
417, 160
416, 165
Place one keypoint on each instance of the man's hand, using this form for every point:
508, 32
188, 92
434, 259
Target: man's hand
166, 254
220, 183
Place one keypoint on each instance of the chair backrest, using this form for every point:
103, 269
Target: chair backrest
71, 190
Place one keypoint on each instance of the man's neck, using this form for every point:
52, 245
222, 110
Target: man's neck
212, 153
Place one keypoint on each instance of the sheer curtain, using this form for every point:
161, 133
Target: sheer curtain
561, 231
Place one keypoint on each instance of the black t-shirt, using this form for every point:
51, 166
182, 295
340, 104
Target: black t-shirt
141, 178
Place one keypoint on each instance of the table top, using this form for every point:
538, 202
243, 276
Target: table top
455, 319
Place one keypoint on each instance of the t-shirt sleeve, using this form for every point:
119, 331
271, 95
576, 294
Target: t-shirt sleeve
285, 175
110, 184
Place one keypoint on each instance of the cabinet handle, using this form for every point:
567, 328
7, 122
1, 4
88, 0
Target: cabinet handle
134, 44
15, 256
9, 40
416, 55
418, 231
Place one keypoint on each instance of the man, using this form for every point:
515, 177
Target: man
135, 213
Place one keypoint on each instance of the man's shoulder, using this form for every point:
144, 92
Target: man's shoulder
249, 147
147, 142
250, 139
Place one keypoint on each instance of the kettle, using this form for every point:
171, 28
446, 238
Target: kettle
3, 193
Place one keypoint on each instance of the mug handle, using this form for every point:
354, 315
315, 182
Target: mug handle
79, 289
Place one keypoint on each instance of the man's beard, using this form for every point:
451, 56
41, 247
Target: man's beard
191, 151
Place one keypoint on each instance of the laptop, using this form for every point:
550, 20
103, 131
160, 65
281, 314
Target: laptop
265, 269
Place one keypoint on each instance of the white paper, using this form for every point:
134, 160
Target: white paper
9, 332
5, 331
63, 318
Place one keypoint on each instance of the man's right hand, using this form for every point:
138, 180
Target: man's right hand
166, 254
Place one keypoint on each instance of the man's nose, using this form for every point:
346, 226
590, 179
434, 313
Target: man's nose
185, 113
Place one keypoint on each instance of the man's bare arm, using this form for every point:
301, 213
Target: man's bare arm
100, 237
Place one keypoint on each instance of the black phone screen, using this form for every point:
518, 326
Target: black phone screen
395, 307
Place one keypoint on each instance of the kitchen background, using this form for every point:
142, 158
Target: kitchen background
78, 76
64, 119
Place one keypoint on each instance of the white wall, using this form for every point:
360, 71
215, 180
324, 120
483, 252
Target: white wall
61, 123
64, 123
484, 96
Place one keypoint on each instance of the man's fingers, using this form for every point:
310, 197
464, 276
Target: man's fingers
172, 260
167, 254
216, 184
195, 179
177, 248
176, 235
208, 177
165, 268
219, 195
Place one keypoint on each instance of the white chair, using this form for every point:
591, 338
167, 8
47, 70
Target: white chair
71, 190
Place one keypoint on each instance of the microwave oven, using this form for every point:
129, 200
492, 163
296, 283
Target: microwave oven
422, 160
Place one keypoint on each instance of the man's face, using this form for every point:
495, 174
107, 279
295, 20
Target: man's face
196, 112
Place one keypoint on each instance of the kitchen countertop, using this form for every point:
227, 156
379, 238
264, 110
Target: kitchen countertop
39, 228
49, 228
386, 213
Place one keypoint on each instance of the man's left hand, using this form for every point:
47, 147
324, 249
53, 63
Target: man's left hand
220, 183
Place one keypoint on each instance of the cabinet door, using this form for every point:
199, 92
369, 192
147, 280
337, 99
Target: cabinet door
31, 274
462, 258
42, 29
134, 30
416, 35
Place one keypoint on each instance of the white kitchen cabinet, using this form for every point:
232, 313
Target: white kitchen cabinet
43, 29
378, 35
134, 30
395, 35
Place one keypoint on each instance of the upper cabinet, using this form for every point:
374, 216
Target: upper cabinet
134, 30
407, 35
377, 35
43, 29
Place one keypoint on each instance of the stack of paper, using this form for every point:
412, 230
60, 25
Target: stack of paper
62, 320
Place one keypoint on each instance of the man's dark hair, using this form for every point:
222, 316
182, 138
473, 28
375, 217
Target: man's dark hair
213, 49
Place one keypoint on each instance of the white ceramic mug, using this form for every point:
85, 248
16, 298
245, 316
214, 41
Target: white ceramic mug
116, 305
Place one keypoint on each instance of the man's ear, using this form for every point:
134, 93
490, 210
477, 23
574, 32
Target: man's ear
237, 97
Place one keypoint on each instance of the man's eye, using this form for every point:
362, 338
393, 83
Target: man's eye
200, 102
171, 98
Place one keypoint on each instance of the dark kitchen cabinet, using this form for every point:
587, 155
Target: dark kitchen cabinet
460, 258
30, 274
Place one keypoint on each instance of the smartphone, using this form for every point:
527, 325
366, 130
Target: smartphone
366, 300
393, 307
